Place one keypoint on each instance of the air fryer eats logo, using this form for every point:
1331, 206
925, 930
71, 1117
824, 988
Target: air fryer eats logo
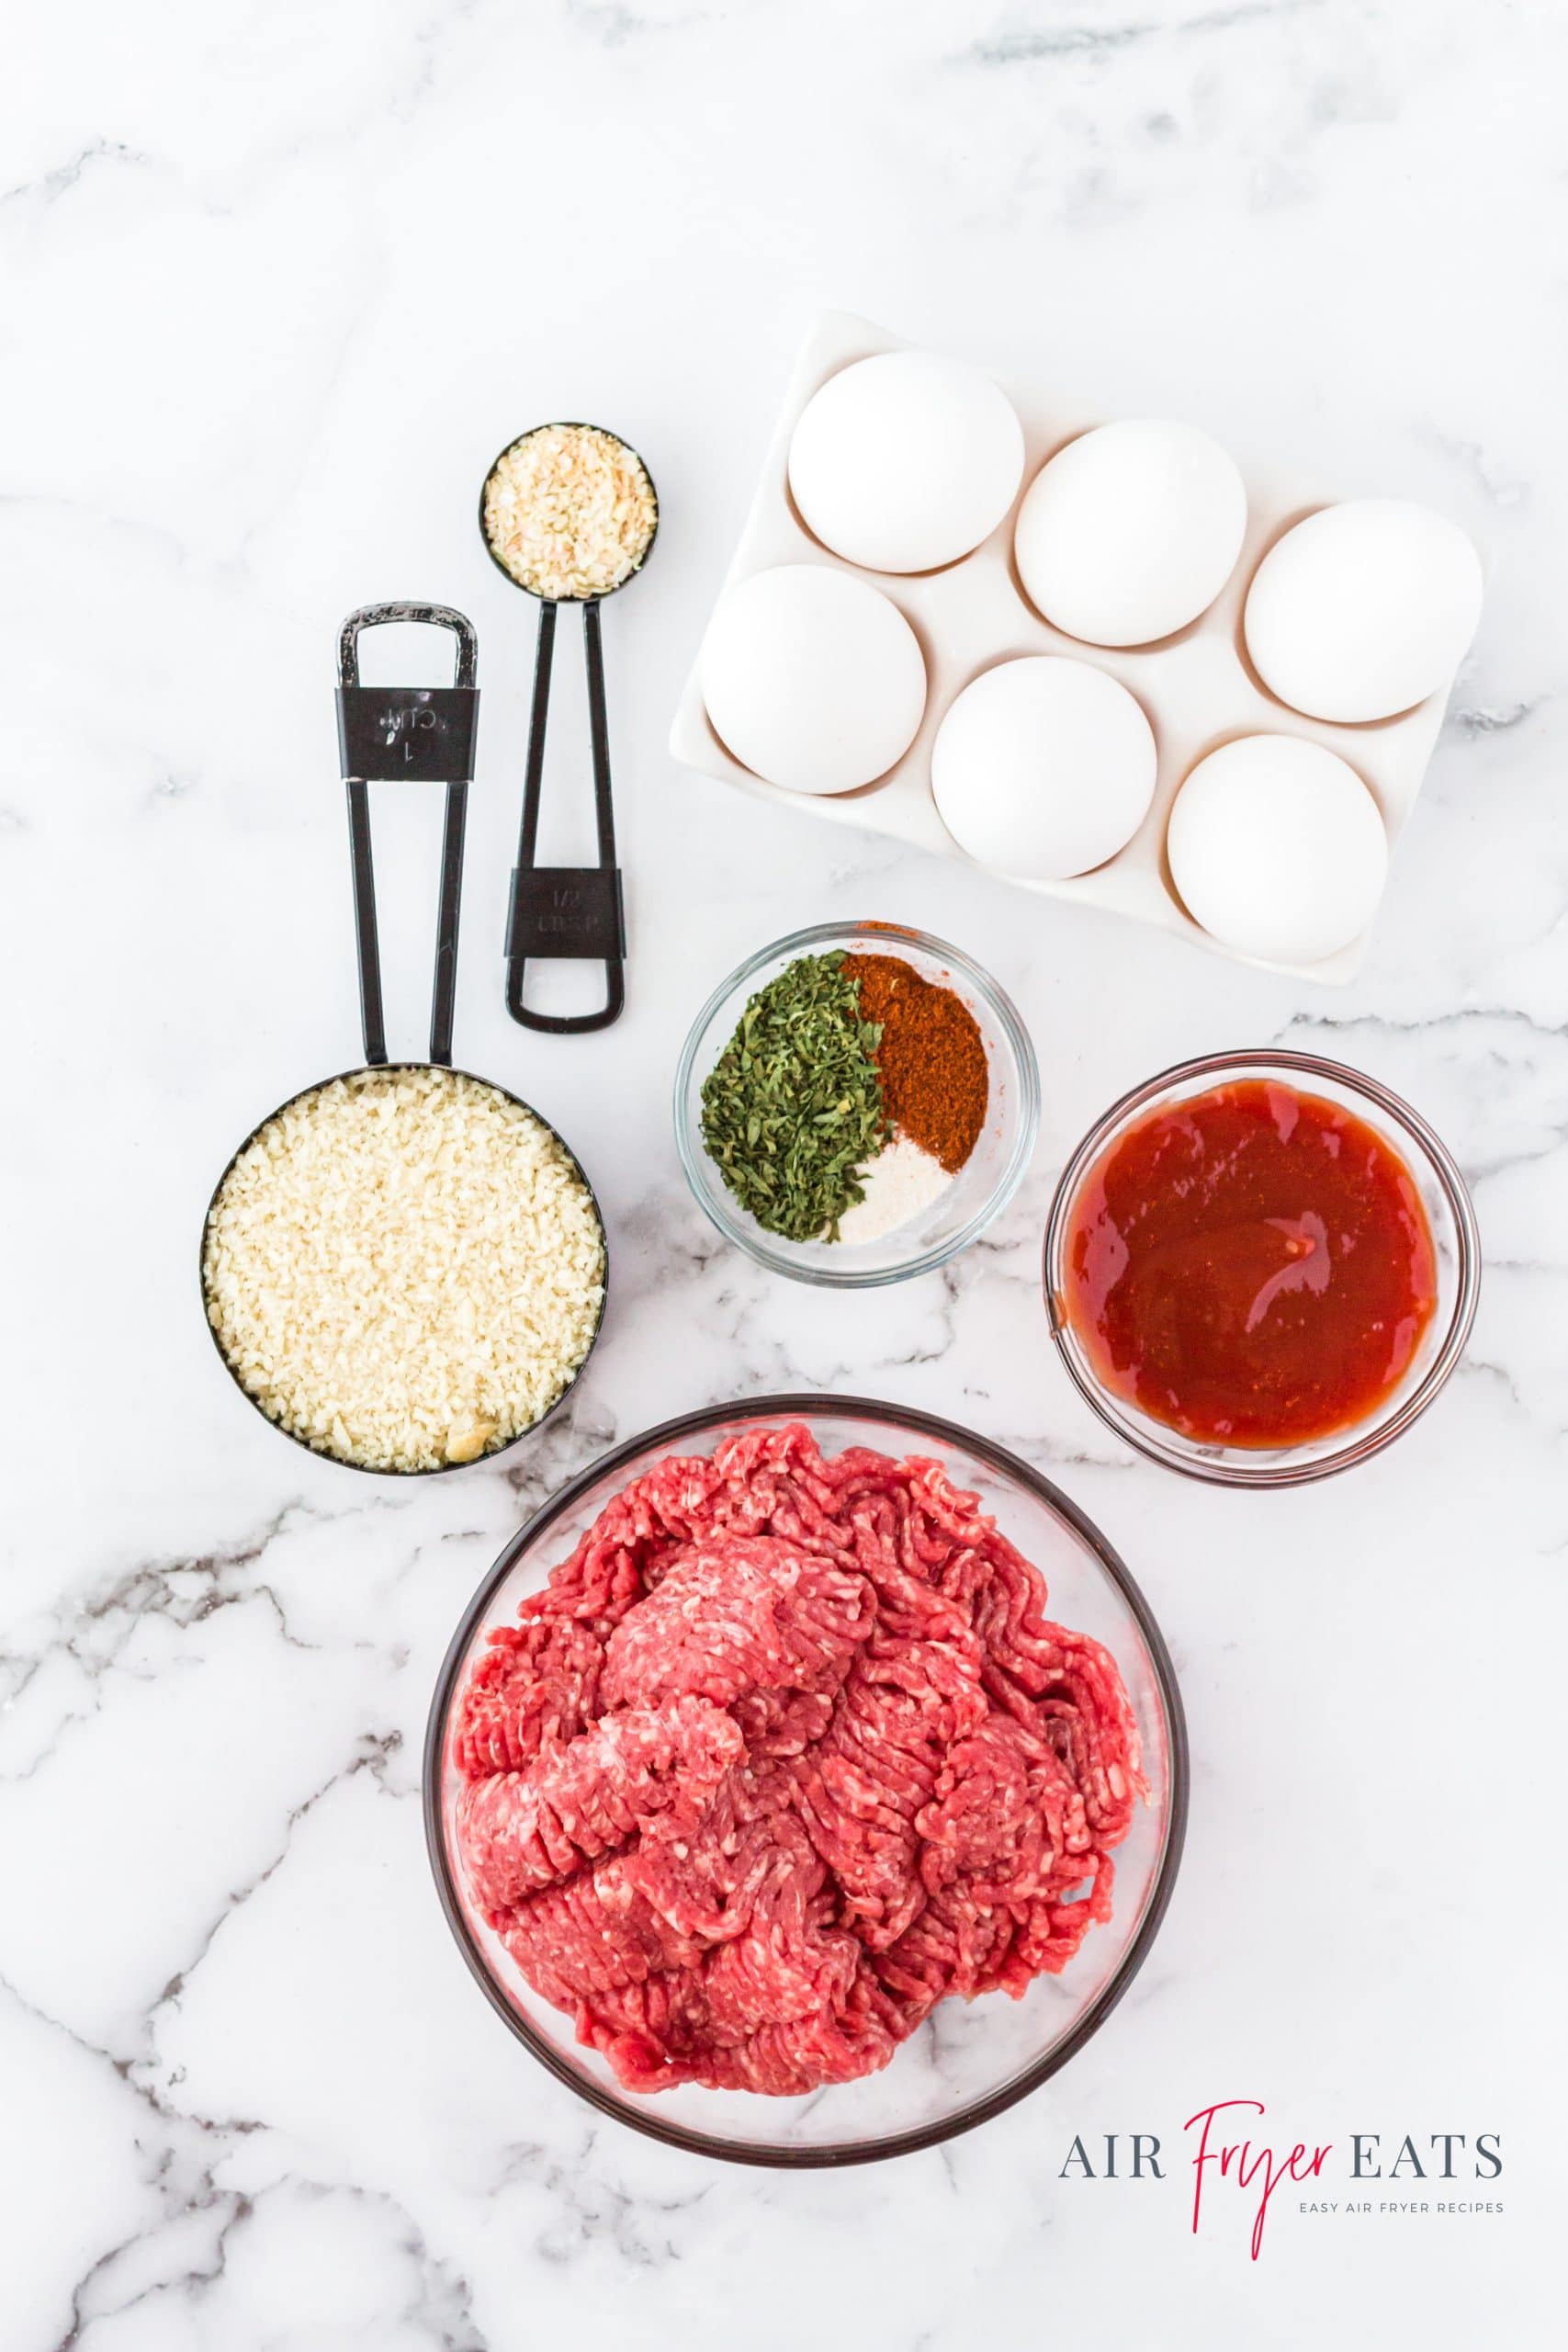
1238, 2162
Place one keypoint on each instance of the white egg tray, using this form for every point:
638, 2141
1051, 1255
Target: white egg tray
1197, 687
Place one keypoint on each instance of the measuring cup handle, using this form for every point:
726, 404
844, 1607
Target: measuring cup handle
566, 912
417, 734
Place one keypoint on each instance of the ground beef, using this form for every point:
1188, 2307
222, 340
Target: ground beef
782, 1755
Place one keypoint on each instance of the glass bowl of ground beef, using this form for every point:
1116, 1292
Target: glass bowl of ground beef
857, 1104
806, 1782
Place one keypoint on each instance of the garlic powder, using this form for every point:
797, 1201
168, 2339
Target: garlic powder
899, 1183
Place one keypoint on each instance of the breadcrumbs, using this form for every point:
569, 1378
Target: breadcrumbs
570, 512
404, 1268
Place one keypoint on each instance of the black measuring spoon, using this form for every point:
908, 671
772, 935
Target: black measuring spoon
568, 913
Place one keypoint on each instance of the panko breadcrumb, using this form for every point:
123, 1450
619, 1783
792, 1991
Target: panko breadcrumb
570, 512
404, 1268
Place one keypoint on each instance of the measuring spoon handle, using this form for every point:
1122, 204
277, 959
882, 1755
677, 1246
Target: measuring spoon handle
566, 912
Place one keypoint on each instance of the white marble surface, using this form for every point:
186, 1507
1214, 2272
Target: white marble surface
279, 280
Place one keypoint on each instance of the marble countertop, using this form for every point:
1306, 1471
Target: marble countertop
279, 282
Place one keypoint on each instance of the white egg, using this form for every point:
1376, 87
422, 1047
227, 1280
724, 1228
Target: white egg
1277, 849
1130, 531
906, 461
1044, 767
1364, 609
813, 680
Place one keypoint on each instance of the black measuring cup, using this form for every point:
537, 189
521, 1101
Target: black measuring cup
419, 735
566, 912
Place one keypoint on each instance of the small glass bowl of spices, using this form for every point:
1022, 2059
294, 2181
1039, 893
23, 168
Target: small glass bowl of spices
855, 1104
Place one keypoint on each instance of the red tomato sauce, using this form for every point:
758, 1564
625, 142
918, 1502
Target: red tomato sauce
1252, 1267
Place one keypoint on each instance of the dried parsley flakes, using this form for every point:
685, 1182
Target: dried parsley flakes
793, 1107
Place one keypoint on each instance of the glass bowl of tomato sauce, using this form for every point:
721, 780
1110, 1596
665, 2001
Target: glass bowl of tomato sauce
1261, 1267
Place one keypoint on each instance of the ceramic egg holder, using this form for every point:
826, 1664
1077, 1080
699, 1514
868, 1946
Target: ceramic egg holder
1197, 687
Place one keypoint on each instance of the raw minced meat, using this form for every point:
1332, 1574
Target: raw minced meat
786, 1752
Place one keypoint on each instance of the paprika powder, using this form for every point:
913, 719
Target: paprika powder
930, 1056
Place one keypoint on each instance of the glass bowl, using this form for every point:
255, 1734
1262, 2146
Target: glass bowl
983, 1185
1455, 1237
969, 2061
